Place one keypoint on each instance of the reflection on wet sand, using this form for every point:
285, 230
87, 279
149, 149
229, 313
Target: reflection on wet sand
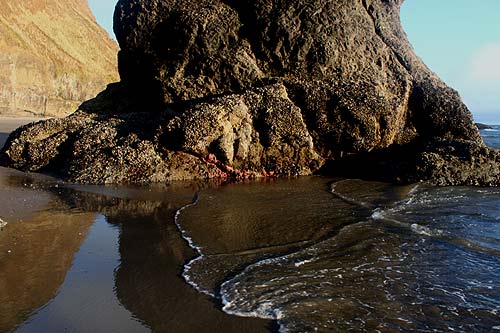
86, 301
149, 285
242, 217
152, 254
237, 224
20, 198
35, 256
37, 245
137, 288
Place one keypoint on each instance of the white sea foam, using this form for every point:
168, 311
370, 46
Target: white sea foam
303, 262
269, 310
380, 215
187, 268
183, 232
3, 224
426, 231
189, 279
415, 197
266, 310
377, 215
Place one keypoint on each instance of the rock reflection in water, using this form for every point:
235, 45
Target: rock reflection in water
85, 302
35, 256
236, 225
126, 276
148, 280
370, 257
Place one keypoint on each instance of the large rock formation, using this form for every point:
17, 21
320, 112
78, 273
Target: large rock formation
239, 88
53, 57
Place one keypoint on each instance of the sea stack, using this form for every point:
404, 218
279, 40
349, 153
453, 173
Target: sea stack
53, 57
257, 88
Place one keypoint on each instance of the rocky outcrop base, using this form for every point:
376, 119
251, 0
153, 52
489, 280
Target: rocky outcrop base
260, 133
232, 136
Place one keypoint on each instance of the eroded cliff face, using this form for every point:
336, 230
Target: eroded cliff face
53, 57
282, 87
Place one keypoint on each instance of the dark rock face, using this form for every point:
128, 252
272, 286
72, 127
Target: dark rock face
239, 88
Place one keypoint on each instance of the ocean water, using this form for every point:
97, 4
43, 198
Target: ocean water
492, 136
311, 254
370, 257
381, 259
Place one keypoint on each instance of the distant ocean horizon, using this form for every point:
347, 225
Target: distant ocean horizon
491, 136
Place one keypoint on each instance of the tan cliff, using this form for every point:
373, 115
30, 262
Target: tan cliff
46, 70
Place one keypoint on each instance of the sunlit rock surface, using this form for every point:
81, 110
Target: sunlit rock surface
248, 88
54, 56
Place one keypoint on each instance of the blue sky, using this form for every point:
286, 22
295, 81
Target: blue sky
457, 39
460, 41
103, 12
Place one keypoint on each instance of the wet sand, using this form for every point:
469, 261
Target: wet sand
99, 258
